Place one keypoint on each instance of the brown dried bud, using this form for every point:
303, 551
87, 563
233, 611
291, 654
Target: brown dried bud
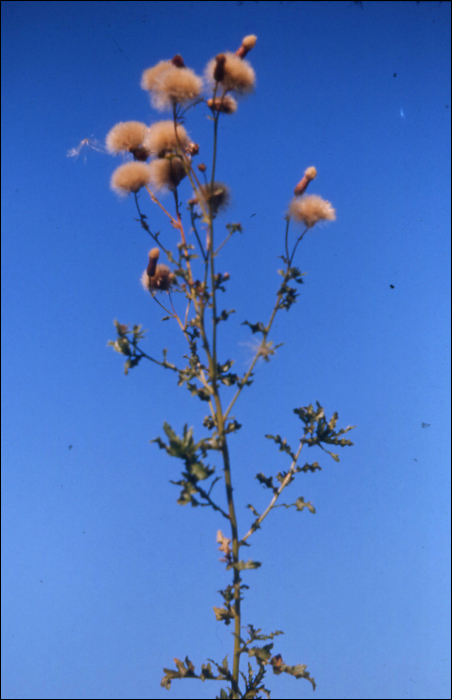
192, 149
218, 73
178, 61
202, 168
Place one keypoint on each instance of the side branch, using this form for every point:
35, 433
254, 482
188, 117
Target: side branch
271, 505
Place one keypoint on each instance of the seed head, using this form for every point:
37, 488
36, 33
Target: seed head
171, 83
130, 177
311, 209
161, 281
225, 104
161, 138
218, 196
166, 173
127, 136
233, 73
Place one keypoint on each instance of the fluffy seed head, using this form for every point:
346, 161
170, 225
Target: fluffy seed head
161, 138
225, 104
151, 76
127, 136
130, 177
166, 173
171, 84
160, 281
218, 196
236, 74
311, 209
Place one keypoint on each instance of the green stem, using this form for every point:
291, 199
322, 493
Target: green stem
267, 329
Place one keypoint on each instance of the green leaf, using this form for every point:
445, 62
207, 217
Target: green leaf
241, 565
224, 615
300, 504
265, 480
255, 327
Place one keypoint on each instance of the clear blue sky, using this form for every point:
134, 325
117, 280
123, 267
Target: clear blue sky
105, 578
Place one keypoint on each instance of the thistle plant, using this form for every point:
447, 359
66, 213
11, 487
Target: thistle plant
187, 286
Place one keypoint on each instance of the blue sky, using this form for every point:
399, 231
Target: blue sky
105, 578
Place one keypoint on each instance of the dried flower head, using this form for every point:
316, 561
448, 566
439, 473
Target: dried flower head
127, 136
171, 83
130, 177
166, 173
235, 74
309, 174
160, 281
311, 209
225, 104
161, 138
218, 196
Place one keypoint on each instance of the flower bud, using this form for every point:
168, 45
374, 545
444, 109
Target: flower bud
218, 72
309, 174
248, 43
178, 61
153, 257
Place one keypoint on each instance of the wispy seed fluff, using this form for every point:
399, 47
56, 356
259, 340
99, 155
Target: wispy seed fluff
171, 84
161, 138
311, 209
127, 136
130, 177
231, 72
156, 277
166, 173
